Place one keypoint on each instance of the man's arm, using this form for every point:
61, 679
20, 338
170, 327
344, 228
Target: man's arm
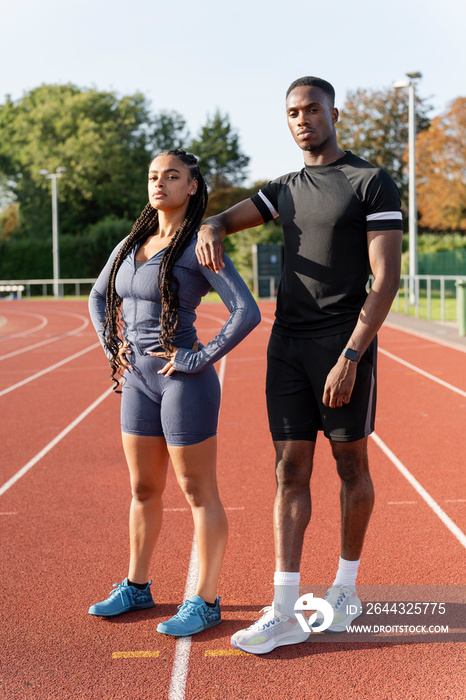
385, 259
209, 249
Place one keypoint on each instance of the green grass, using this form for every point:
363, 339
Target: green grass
435, 313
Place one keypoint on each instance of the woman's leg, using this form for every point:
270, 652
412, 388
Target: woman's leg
147, 459
195, 468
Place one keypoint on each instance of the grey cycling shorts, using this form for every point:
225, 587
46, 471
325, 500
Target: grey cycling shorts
182, 408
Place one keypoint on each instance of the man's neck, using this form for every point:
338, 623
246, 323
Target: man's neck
324, 155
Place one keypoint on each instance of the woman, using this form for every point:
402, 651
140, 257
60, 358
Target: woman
143, 308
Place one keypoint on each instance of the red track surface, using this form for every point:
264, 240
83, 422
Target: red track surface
64, 528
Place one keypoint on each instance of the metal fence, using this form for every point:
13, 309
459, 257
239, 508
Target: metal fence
431, 293
19, 288
434, 297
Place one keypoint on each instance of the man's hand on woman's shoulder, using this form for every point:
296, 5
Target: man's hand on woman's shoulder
210, 250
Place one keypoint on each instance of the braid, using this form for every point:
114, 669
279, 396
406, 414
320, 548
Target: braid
145, 225
167, 283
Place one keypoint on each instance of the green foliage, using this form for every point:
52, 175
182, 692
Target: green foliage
223, 198
102, 237
101, 140
220, 158
239, 245
25, 258
431, 244
169, 131
105, 143
374, 126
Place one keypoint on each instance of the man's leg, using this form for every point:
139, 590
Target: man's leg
292, 512
292, 508
356, 495
357, 501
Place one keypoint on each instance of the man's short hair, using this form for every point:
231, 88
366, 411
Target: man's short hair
311, 81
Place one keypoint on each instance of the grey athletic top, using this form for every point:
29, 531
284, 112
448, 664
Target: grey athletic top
141, 305
326, 212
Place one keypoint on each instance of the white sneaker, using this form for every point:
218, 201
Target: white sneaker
346, 608
272, 630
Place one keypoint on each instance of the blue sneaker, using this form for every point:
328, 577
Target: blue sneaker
123, 599
192, 617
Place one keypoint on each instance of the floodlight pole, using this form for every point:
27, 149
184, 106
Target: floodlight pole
411, 84
55, 244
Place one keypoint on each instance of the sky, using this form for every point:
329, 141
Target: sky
195, 57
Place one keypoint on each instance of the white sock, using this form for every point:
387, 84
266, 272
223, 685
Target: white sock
347, 572
286, 591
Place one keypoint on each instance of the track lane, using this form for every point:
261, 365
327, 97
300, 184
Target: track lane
17, 323
83, 482
71, 483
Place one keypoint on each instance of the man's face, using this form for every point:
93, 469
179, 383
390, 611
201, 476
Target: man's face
311, 118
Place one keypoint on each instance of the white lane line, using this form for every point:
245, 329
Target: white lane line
183, 645
426, 336
50, 340
446, 520
454, 529
49, 369
424, 374
42, 324
54, 442
185, 510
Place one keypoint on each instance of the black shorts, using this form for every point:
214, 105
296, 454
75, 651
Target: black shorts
297, 370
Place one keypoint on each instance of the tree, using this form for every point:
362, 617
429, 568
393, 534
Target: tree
169, 131
102, 140
374, 125
9, 220
441, 170
220, 158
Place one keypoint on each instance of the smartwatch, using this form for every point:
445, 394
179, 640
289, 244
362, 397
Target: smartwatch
351, 354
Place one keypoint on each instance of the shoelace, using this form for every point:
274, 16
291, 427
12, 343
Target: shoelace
344, 593
184, 610
261, 623
116, 589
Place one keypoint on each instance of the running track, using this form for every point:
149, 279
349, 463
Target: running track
63, 513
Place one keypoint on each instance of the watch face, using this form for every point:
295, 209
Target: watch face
351, 354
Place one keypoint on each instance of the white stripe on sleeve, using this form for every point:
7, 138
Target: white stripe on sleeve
384, 215
269, 206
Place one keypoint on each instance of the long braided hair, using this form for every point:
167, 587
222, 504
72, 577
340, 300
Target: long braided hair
144, 226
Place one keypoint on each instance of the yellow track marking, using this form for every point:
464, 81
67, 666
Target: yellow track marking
135, 654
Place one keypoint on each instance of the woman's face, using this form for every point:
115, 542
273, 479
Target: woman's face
170, 184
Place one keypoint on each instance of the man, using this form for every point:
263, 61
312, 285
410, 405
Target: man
339, 215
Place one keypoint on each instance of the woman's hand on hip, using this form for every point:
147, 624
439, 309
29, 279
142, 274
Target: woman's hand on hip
123, 351
169, 355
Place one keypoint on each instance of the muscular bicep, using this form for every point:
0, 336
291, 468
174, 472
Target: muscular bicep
384, 248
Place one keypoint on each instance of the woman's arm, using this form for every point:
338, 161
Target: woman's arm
98, 297
244, 316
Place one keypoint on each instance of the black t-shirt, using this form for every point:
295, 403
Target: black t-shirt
325, 212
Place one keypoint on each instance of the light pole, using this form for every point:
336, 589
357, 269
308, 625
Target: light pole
55, 246
411, 84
